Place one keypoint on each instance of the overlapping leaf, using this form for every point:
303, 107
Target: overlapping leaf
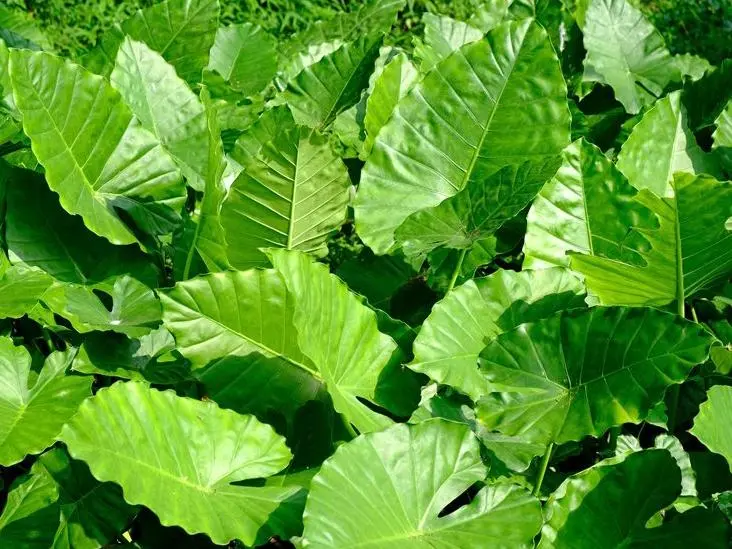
448, 345
97, 157
464, 121
710, 428
389, 490
581, 372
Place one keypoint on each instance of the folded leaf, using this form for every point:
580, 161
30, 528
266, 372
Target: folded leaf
587, 207
183, 471
322, 90
581, 372
711, 426
609, 504
626, 52
473, 114
389, 490
660, 145
20, 289
448, 345
476, 212
97, 157
291, 194
689, 252
39, 233
32, 416
165, 106
339, 334
723, 137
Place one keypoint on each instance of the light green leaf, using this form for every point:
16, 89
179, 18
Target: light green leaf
20, 24
322, 90
92, 513
291, 194
722, 137
339, 334
244, 56
661, 145
20, 289
135, 310
388, 489
396, 79
489, 14
626, 52
581, 372
97, 157
473, 114
165, 106
442, 36
41, 234
692, 66
609, 505
31, 515
711, 426
448, 345
587, 207
689, 252
184, 472
32, 416
476, 212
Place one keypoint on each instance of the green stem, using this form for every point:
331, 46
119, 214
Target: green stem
542, 470
680, 304
49, 341
349, 427
693, 314
456, 272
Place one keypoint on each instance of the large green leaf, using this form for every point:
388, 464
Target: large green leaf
239, 325
626, 52
609, 505
97, 157
41, 234
395, 80
291, 194
322, 90
660, 145
339, 334
442, 36
473, 114
711, 425
388, 490
689, 252
32, 413
244, 56
31, 516
91, 513
476, 212
448, 345
20, 289
184, 470
182, 31
165, 106
587, 207
581, 372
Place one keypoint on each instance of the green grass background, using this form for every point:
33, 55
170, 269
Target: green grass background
701, 27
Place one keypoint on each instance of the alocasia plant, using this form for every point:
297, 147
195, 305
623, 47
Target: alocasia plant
460, 284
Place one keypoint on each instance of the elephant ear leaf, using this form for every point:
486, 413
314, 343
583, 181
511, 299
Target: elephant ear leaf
391, 466
626, 52
714, 433
609, 504
690, 251
583, 371
463, 122
97, 156
31, 415
196, 459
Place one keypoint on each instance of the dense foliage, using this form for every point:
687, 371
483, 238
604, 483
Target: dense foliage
327, 290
